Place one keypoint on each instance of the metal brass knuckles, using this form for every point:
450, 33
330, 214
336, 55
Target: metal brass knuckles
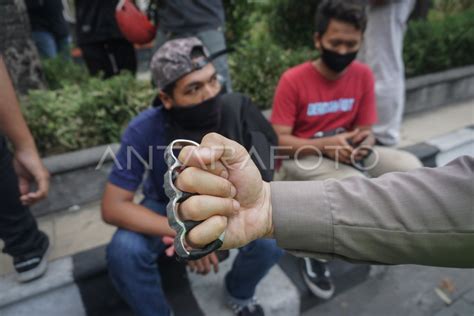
177, 196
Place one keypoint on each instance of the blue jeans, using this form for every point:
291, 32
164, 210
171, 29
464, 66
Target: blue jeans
132, 262
48, 45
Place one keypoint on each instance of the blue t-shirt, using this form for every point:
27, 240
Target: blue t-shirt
146, 137
141, 152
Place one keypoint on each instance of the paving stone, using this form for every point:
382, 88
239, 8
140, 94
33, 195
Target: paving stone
422, 126
209, 292
80, 230
460, 308
469, 296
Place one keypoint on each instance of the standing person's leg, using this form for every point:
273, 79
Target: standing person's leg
250, 266
160, 39
64, 44
214, 40
124, 55
18, 228
385, 159
132, 263
97, 59
383, 52
45, 43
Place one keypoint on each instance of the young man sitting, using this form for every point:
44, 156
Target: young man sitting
323, 113
189, 105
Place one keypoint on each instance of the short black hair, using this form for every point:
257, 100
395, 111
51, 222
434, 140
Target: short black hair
342, 10
169, 89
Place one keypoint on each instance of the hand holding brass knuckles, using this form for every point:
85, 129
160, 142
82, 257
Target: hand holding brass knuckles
176, 197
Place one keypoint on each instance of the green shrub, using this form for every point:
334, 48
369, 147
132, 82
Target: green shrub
437, 45
291, 22
86, 115
257, 66
60, 73
239, 19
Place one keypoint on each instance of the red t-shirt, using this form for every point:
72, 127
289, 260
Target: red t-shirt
310, 103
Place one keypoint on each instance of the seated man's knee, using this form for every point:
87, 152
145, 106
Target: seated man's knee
398, 160
126, 250
408, 161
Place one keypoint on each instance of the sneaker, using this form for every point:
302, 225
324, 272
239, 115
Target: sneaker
251, 308
31, 268
317, 277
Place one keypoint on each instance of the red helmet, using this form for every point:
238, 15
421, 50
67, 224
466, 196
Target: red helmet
133, 24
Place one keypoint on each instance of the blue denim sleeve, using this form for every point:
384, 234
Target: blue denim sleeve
131, 161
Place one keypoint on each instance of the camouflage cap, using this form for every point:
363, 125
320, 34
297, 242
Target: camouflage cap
173, 60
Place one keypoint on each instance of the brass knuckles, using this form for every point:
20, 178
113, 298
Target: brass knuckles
177, 196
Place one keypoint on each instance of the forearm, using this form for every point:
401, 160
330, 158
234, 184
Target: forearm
12, 123
423, 217
292, 145
137, 218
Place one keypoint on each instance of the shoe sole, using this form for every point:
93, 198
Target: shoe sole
325, 295
37, 272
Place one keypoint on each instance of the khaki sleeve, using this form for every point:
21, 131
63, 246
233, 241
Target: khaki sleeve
422, 217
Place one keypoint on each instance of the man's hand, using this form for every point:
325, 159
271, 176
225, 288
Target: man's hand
203, 266
232, 195
338, 147
169, 241
29, 168
363, 142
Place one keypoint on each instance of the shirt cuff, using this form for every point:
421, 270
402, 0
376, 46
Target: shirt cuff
302, 218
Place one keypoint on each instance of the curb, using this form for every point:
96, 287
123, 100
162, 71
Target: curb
442, 149
79, 285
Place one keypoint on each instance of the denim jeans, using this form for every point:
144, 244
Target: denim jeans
48, 45
18, 228
132, 262
214, 41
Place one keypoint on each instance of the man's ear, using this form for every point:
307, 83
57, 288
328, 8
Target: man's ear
166, 100
317, 40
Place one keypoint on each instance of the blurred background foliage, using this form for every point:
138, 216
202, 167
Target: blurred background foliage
269, 36
80, 111
277, 34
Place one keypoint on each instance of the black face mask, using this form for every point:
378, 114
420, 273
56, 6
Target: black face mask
205, 115
335, 61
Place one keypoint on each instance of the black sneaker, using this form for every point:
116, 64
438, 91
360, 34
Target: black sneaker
252, 308
29, 268
317, 277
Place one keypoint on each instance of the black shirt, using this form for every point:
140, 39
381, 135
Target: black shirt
96, 21
47, 15
190, 16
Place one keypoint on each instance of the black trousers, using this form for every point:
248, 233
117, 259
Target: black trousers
109, 57
18, 228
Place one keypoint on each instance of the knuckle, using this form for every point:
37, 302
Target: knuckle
225, 187
229, 205
186, 179
221, 221
193, 208
210, 137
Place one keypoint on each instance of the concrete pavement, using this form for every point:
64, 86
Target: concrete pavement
406, 290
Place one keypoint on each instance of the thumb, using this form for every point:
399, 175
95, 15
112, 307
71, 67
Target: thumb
214, 147
352, 134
